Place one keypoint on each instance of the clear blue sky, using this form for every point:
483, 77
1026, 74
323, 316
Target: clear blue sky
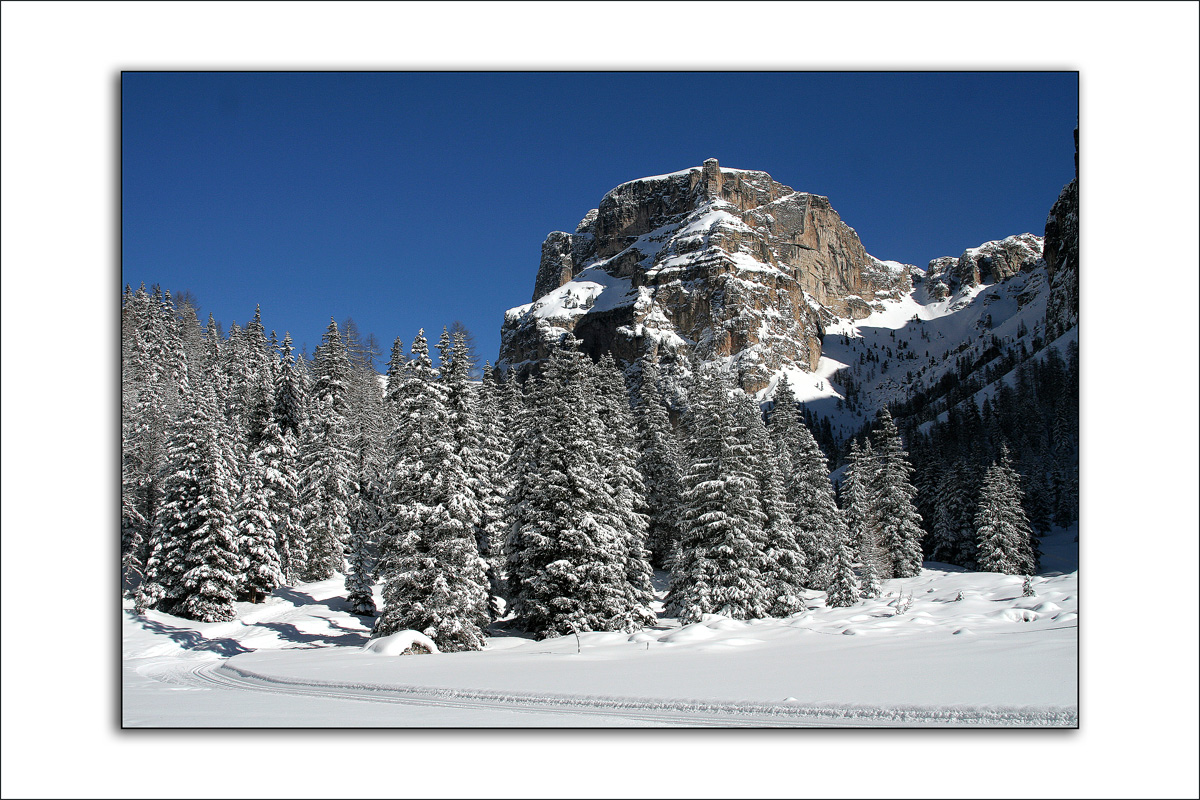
408, 200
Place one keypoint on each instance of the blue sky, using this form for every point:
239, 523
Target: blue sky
408, 200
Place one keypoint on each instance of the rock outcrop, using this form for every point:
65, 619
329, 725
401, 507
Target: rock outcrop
990, 262
715, 264
1062, 257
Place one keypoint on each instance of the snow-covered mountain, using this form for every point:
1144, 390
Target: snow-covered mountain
715, 264
728, 266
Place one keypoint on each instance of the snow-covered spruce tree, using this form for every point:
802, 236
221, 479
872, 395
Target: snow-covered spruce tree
213, 565
279, 452
365, 416
859, 514
566, 565
193, 566
465, 429
327, 463
784, 421
843, 589
1004, 538
497, 429
152, 379
660, 462
392, 449
953, 534
785, 570
892, 493
721, 562
482, 446
433, 575
262, 571
818, 522
616, 438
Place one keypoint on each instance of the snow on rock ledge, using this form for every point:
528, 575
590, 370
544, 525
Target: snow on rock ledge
399, 642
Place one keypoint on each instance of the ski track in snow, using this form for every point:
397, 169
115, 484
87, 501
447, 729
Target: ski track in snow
674, 712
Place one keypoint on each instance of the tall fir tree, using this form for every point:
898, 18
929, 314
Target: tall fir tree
566, 563
785, 564
193, 567
150, 386
860, 515
213, 565
496, 444
433, 575
1004, 538
327, 462
899, 524
721, 563
843, 587
953, 534
365, 418
280, 455
616, 438
818, 522
257, 538
660, 462
465, 429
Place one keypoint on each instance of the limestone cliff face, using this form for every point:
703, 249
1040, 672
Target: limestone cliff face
720, 265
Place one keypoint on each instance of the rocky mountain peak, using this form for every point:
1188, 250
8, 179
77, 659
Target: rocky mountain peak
708, 263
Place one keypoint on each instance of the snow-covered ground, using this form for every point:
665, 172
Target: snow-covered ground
971, 650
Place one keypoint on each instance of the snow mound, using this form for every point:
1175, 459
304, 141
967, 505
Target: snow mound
398, 643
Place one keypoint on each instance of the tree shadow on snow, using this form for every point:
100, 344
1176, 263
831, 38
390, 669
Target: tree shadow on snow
298, 598
294, 596
289, 632
190, 639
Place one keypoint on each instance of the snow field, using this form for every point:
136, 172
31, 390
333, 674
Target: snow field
970, 650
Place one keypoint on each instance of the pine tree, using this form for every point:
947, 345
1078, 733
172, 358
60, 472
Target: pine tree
433, 575
613, 430
496, 444
860, 515
365, 418
953, 535
193, 567
899, 524
360, 555
660, 462
843, 589
150, 387
566, 564
1002, 529
327, 472
785, 566
465, 429
818, 523
279, 452
721, 563
256, 531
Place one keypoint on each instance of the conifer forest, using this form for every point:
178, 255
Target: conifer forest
247, 467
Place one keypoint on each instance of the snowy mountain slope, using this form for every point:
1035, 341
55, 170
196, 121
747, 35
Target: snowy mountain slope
1001, 659
909, 345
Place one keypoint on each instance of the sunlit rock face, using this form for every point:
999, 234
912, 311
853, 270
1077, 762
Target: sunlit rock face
709, 263
990, 262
